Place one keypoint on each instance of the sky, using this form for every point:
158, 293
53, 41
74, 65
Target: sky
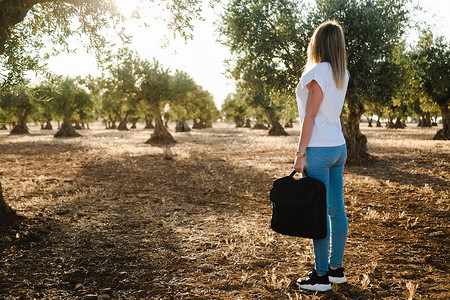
203, 57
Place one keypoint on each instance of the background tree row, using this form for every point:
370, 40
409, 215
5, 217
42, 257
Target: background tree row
268, 41
130, 90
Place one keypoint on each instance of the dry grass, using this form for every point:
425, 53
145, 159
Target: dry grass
109, 216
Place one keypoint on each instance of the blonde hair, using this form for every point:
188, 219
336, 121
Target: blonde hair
328, 45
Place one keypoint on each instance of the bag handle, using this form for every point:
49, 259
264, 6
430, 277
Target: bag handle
294, 172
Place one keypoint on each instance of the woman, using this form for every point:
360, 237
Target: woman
322, 151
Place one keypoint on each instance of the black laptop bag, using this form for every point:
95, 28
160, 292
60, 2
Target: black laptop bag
299, 207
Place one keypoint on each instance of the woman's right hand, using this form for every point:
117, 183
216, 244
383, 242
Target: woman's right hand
299, 164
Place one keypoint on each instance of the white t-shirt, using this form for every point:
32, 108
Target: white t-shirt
327, 130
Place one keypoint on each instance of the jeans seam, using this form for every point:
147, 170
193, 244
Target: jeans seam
336, 210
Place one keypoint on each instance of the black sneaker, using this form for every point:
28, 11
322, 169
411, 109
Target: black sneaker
336, 276
315, 282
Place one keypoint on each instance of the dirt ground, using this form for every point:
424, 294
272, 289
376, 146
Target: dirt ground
106, 216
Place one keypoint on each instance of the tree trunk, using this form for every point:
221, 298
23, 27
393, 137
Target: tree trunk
19, 129
134, 122
148, 122
122, 126
48, 125
166, 122
161, 136
260, 126
434, 123
444, 133
21, 126
239, 121
378, 122
276, 129
399, 124
123, 123
370, 121
182, 126
247, 124
3, 126
67, 130
113, 123
7, 215
355, 140
77, 125
197, 124
425, 120
289, 124
390, 122
201, 124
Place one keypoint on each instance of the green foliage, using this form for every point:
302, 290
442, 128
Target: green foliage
26, 24
372, 29
266, 39
18, 104
70, 97
432, 59
45, 94
391, 92
3, 117
120, 85
155, 85
203, 108
183, 89
235, 108
268, 42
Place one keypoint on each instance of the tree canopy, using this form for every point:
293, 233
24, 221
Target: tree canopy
432, 58
25, 25
269, 40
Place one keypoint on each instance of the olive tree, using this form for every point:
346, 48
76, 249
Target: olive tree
155, 91
204, 110
184, 90
432, 58
267, 40
234, 108
120, 82
69, 99
19, 102
372, 28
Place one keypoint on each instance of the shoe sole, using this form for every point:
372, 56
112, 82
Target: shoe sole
337, 280
315, 287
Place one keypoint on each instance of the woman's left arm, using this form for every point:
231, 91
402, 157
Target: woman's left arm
315, 96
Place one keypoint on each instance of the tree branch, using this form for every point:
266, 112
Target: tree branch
13, 12
282, 45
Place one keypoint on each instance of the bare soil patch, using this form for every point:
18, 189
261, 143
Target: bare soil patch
106, 216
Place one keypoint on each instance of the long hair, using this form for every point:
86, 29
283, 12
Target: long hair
328, 45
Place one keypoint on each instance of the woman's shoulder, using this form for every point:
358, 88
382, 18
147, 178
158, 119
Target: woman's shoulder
322, 69
317, 69
319, 73
323, 65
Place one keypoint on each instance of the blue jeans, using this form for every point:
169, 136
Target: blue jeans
327, 165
